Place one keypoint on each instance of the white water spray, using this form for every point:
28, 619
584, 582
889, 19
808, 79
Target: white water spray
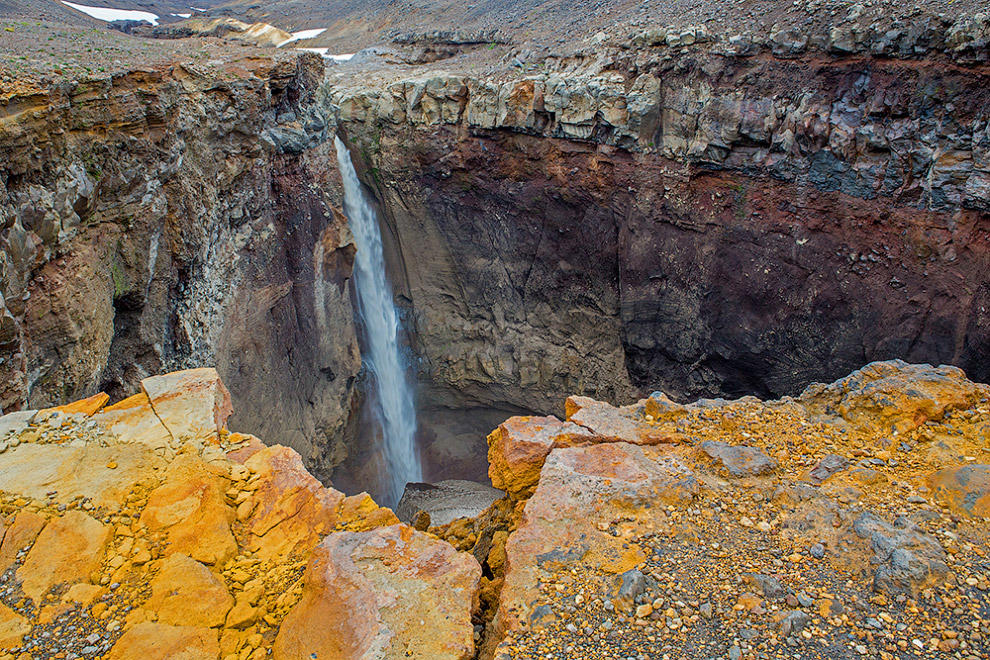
394, 408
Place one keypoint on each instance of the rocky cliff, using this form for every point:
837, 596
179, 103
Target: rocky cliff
167, 217
847, 522
710, 213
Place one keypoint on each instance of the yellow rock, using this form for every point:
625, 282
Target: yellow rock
185, 592
21, 534
69, 549
189, 508
87, 407
12, 627
964, 489
191, 404
156, 641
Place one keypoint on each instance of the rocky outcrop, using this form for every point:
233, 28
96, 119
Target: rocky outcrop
207, 545
754, 223
164, 218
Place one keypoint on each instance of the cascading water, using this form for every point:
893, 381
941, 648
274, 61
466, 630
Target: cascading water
394, 407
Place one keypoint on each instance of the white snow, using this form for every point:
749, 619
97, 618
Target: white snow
303, 34
323, 52
109, 14
197, 9
181, 15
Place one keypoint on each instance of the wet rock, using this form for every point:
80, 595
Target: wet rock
739, 461
157, 641
406, 595
68, 550
907, 559
964, 489
446, 501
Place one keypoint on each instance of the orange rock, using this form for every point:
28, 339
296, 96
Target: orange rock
894, 395
518, 447
12, 627
69, 549
19, 535
580, 492
391, 593
964, 489
157, 641
189, 507
185, 592
293, 511
192, 404
87, 407
360, 513
251, 447
610, 424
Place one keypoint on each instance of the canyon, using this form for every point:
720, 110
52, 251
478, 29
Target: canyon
703, 301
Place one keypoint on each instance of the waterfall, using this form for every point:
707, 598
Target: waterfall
393, 406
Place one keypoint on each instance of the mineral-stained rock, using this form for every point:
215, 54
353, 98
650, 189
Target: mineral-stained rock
68, 549
581, 489
187, 593
158, 641
964, 489
19, 535
189, 508
12, 627
390, 593
894, 395
610, 424
907, 559
518, 447
85, 407
739, 461
192, 403
292, 510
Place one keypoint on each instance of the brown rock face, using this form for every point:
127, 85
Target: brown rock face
135, 250
68, 550
391, 593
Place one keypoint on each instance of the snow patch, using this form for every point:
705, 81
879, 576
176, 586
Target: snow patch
323, 52
110, 14
181, 15
303, 34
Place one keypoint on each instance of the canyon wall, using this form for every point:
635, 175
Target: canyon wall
169, 218
707, 220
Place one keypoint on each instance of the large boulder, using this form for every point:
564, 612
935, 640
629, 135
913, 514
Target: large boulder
582, 490
187, 593
894, 395
388, 593
158, 641
190, 509
518, 447
68, 550
192, 404
610, 424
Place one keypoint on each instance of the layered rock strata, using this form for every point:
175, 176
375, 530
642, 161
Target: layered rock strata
684, 215
165, 218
